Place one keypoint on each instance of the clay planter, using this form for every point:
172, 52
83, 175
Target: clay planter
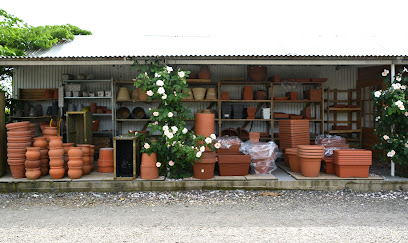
40, 142
329, 166
123, 94
261, 95
75, 162
16, 151
93, 107
56, 153
199, 93
105, 163
19, 134
16, 161
247, 93
204, 169
234, 165
204, 73
17, 124
33, 173
257, 73
85, 148
148, 168
211, 94
55, 142
19, 139
75, 152
32, 164
56, 162
16, 156
225, 96
50, 132
67, 146
75, 173
106, 154
105, 169
57, 172
33, 153
310, 167
361, 171
294, 162
17, 171
142, 95
204, 124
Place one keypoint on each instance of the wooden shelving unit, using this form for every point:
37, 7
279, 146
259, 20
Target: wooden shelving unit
352, 114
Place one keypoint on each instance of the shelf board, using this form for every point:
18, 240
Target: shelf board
344, 109
246, 101
297, 101
243, 82
101, 114
102, 132
29, 117
133, 120
84, 98
196, 81
312, 120
124, 82
138, 101
344, 131
199, 100
266, 120
279, 83
86, 81
36, 99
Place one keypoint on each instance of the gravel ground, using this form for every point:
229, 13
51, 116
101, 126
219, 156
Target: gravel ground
204, 216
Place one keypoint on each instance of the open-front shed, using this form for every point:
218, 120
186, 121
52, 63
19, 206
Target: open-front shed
344, 72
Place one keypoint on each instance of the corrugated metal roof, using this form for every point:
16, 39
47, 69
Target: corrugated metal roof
207, 46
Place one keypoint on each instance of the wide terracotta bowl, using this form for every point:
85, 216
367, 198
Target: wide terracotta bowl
19, 134
16, 151
17, 124
18, 145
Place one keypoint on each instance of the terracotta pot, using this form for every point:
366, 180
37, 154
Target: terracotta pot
40, 142
261, 95
247, 93
257, 73
19, 139
204, 73
32, 164
55, 142
75, 152
17, 124
75, 162
50, 131
294, 162
361, 171
33, 153
33, 173
199, 93
44, 170
75, 173
149, 160
19, 129
67, 146
142, 95
92, 107
19, 134
204, 124
92, 149
225, 96
193, 75
105, 169
310, 167
85, 148
16, 151
105, 163
16, 161
56, 153
57, 172
234, 165
16, 156
148, 169
233, 149
44, 153
17, 171
329, 166
203, 170
262, 166
106, 154
56, 162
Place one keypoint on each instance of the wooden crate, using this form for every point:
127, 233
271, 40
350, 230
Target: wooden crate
102, 142
32, 94
79, 127
126, 157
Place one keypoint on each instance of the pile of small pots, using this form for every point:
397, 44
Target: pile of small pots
105, 161
310, 157
19, 137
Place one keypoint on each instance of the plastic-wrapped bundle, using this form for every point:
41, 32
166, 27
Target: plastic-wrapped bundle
263, 156
330, 143
229, 145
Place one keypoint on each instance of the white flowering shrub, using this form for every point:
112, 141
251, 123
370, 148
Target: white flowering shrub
391, 117
177, 148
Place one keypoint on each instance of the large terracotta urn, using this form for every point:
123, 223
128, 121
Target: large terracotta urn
148, 168
40, 142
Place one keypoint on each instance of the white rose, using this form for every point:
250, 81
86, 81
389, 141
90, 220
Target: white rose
202, 148
156, 113
169, 69
174, 128
386, 137
403, 87
181, 74
171, 162
399, 103
149, 93
401, 107
213, 136
208, 140
378, 118
391, 154
155, 123
194, 136
398, 78
161, 90
156, 75
217, 145
158, 164
146, 146
170, 114
170, 135
164, 97
198, 155
185, 130
165, 128
377, 94
159, 83
385, 72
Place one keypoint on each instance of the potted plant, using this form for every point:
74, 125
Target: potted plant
176, 147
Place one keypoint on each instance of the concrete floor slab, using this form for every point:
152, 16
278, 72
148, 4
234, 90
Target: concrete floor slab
229, 178
260, 177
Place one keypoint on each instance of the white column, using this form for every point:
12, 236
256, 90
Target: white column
392, 129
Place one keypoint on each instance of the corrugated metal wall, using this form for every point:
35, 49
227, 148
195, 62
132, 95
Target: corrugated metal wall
342, 77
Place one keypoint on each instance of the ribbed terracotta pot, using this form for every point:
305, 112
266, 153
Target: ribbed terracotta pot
40, 142
75, 152
33, 153
16, 151
56, 152
56, 162
32, 164
19, 139
67, 146
148, 168
17, 124
55, 142
19, 134
33, 173
75, 173
57, 172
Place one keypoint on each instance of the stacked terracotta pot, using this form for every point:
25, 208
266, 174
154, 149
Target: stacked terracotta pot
42, 143
105, 161
204, 125
254, 136
293, 159
352, 162
86, 167
32, 163
75, 162
66, 147
49, 132
310, 157
18, 139
293, 133
56, 154
91, 156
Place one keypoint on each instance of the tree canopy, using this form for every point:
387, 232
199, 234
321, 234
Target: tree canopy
17, 37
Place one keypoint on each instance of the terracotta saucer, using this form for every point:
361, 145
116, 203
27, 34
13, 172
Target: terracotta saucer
19, 139
310, 147
17, 124
19, 134
18, 129
18, 145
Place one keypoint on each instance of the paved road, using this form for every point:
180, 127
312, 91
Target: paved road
205, 216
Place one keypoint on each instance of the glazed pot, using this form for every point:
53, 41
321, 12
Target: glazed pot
33, 173
17, 171
56, 153
67, 146
310, 167
57, 172
56, 162
199, 93
106, 154
75, 162
40, 142
32, 164
123, 94
257, 73
75, 173
19, 139
204, 73
33, 153
75, 152
55, 142
142, 95
204, 124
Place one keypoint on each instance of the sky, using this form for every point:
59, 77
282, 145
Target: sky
244, 19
